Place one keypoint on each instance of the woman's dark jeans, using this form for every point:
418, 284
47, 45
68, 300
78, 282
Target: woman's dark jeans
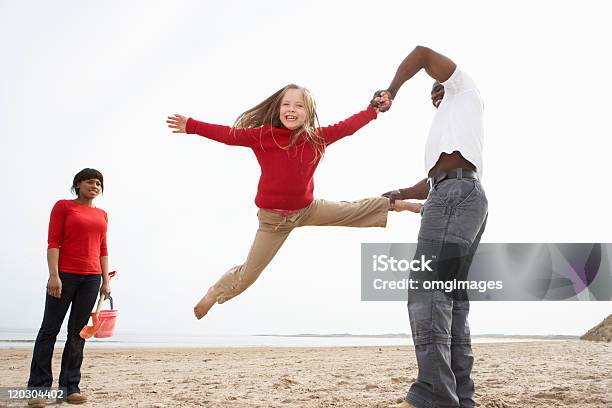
81, 291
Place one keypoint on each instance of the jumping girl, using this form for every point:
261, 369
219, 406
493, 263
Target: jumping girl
284, 134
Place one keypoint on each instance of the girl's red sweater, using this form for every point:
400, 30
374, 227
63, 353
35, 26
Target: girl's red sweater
286, 180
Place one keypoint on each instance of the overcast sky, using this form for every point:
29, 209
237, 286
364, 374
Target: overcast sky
89, 84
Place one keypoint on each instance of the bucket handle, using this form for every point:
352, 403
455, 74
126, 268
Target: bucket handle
101, 300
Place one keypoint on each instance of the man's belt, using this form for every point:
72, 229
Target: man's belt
458, 173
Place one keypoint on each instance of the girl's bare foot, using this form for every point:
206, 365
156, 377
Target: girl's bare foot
205, 303
401, 205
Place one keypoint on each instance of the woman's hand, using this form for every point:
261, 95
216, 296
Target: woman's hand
54, 286
177, 122
105, 290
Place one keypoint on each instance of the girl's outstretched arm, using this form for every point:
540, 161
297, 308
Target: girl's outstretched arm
380, 103
348, 126
224, 134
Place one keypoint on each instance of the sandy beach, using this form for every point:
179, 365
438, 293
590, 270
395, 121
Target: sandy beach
535, 374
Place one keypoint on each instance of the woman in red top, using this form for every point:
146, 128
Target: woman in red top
285, 136
78, 261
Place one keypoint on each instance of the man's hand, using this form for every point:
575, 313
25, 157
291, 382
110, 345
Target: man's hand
381, 101
393, 196
177, 122
419, 191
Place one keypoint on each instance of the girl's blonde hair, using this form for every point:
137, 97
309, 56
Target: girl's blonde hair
268, 112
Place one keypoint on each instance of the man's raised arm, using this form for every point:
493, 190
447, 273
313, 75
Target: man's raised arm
437, 66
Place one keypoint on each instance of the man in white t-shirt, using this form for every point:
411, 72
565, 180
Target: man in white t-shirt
453, 220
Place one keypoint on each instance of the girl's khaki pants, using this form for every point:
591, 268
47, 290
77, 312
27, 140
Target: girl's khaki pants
274, 230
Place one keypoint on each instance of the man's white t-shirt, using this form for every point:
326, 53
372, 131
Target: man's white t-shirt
458, 123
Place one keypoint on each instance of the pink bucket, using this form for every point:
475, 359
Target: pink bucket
107, 318
103, 321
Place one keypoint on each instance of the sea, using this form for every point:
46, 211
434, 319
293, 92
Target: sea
24, 338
